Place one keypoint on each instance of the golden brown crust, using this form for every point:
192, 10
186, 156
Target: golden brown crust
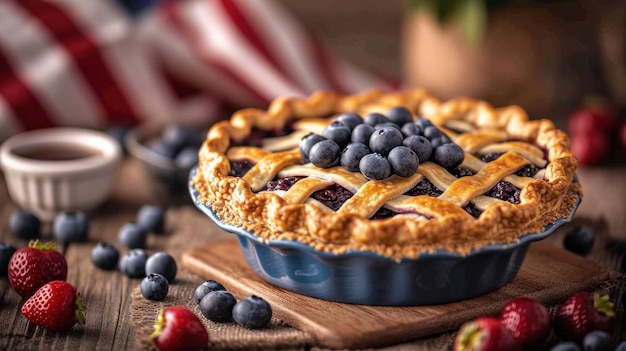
271, 217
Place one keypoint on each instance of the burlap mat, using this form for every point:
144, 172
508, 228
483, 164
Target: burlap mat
229, 336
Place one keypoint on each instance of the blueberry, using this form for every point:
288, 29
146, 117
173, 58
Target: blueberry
24, 225
352, 154
403, 161
579, 240
409, 129
375, 118
400, 115
162, 263
420, 145
70, 226
118, 132
217, 306
152, 218
338, 132
387, 125
621, 346
307, 143
207, 287
438, 141
187, 158
252, 312
383, 140
154, 287
6, 251
177, 136
423, 123
133, 235
362, 133
133, 264
597, 341
375, 166
325, 154
432, 132
162, 148
350, 120
566, 346
449, 155
105, 256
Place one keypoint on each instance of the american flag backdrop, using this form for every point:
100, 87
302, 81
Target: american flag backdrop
95, 63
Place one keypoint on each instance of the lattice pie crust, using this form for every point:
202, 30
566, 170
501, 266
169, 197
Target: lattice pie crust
427, 223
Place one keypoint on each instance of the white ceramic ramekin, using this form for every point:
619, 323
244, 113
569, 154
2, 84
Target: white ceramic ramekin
47, 187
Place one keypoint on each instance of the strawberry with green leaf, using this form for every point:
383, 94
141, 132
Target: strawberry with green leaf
57, 305
582, 313
33, 266
484, 334
177, 328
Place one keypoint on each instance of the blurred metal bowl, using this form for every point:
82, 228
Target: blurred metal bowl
166, 178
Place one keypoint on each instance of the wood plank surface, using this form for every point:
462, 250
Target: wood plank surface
108, 295
547, 274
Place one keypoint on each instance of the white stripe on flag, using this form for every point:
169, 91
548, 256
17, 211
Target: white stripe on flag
126, 57
290, 43
226, 44
47, 69
174, 48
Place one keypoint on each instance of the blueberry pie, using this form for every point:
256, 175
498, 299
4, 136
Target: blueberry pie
393, 173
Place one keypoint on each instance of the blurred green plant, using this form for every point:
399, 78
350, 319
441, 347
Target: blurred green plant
471, 15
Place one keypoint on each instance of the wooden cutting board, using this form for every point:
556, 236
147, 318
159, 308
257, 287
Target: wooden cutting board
548, 274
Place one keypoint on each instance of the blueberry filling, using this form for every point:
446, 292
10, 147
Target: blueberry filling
460, 172
505, 191
528, 171
492, 156
240, 168
333, 196
472, 209
424, 187
281, 184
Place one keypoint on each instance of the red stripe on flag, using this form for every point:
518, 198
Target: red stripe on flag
246, 30
175, 18
320, 57
180, 88
21, 100
87, 57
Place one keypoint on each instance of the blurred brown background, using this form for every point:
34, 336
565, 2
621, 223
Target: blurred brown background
545, 57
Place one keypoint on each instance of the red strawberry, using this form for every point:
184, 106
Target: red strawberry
594, 114
583, 312
591, 147
484, 334
33, 266
528, 320
177, 328
622, 138
593, 130
55, 306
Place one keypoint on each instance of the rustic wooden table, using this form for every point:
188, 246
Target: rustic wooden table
108, 294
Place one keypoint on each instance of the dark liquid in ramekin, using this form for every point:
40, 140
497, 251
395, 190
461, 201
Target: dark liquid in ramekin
58, 152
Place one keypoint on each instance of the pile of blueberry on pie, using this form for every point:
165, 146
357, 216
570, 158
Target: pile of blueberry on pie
397, 174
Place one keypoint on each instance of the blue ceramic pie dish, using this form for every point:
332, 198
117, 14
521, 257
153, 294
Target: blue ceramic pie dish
360, 277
